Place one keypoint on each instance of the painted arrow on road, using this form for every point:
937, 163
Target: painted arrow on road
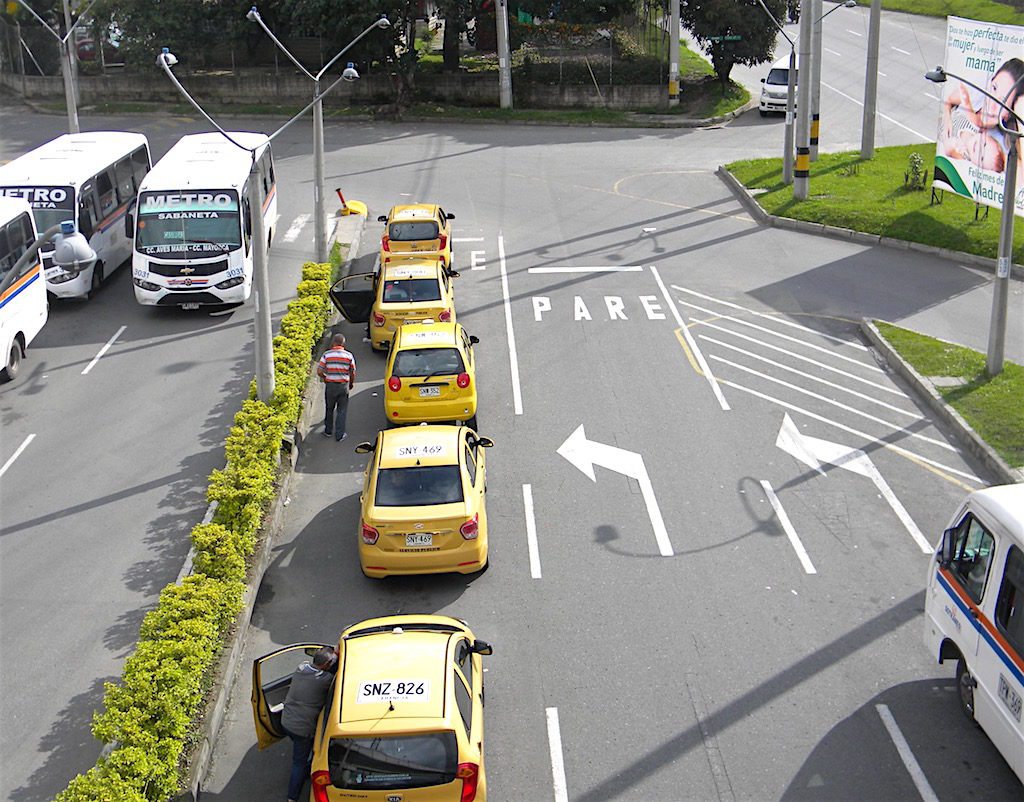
585, 454
813, 452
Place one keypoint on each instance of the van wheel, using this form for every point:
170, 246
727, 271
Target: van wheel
14, 360
97, 279
762, 112
965, 685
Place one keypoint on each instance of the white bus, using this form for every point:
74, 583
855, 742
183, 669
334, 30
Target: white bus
23, 293
974, 613
193, 225
88, 178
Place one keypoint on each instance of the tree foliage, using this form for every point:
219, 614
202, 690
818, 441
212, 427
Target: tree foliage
709, 19
578, 11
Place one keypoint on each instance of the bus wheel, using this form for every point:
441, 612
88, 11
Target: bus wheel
965, 685
97, 279
14, 360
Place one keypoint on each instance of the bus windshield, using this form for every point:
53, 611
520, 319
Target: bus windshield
184, 224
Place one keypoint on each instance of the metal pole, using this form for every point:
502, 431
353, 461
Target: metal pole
673, 53
815, 77
801, 174
504, 55
787, 150
261, 291
69, 87
71, 53
1001, 283
867, 130
320, 223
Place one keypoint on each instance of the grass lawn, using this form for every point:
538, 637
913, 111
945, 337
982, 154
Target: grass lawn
870, 196
993, 407
984, 10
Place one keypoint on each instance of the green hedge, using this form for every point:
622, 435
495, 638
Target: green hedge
152, 714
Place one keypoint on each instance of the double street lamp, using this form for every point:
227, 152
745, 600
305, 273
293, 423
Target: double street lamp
1001, 282
350, 74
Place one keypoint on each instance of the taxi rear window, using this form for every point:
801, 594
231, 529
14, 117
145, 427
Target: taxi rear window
423, 362
410, 290
410, 232
418, 487
393, 762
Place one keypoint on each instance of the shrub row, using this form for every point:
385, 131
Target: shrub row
152, 714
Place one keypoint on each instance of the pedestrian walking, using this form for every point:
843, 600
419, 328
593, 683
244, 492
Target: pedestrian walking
307, 695
337, 370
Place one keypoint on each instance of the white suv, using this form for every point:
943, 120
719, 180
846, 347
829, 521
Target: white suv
774, 88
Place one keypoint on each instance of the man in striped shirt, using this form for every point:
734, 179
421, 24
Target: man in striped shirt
337, 370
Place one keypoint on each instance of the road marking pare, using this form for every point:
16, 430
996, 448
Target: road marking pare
615, 308
393, 690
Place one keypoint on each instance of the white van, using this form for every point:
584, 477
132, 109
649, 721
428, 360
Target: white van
23, 306
89, 178
974, 613
775, 86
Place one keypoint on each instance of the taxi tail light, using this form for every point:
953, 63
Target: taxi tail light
378, 319
385, 243
369, 534
471, 528
445, 316
469, 773
320, 781
442, 242
463, 380
394, 384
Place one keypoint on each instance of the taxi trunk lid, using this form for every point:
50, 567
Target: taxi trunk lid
434, 528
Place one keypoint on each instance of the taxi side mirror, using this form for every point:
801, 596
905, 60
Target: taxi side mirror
382, 219
485, 442
945, 555
449, 216
453, 273
364, 448
474, 339
482, 647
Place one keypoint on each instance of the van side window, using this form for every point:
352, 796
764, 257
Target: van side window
107, 195
972, 556
7, 257
140, 165
1010, 602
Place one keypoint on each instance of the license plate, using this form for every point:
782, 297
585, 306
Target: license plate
190, 306
426, 392
418, 540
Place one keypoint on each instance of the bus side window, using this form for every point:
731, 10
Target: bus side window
27, 237
107, 195
87, 212
7, 257
265, 173
1010, 602
140, 165
246, 222
126, 187
972, 555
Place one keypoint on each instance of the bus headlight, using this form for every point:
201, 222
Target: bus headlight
231, 282
146, 285
61, 278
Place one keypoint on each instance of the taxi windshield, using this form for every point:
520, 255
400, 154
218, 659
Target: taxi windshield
391, 762
418, 487
427, 362
410, 290
411, 232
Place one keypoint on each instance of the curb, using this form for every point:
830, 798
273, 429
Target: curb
966, 435
749, 200
230, 661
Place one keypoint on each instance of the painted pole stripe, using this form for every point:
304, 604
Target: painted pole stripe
16, 454
103, 350
924, 788
592, 269
513, 357
561, 789
787, 526
531, 531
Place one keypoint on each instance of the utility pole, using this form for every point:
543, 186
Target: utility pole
867, 130
73, 51
504, 54
673, 53
816, 16
67, 67
264, 345
1001, 283
801, 175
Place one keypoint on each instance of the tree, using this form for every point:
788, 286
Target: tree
455, 13
708, 20
579, 11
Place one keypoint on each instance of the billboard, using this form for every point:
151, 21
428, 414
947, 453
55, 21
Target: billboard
970, 147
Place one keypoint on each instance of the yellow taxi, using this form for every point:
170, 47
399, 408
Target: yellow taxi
416, 228
409, 290
404, 718
424, 505
431, 375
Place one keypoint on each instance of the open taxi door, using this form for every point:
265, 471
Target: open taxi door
271, 678
353, 296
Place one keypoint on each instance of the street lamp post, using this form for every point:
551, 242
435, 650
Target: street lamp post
320, 223
787, 148
261, 283
867, 128
673, 53
816, 51
1001, 281
504, 55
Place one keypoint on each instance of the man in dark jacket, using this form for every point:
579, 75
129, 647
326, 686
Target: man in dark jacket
306, 697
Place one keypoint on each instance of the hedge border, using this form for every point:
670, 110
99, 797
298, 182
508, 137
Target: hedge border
151, 715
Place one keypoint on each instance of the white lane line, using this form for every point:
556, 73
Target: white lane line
591, 269
901, 50
883, 116
692, 343
857, 432
859, 363
16, 454
787, 525
103, 350
531, 531
924, 788
931, 95
812, 377
774, 318
467, 239
801, 358
513, 356
882, 74
557, 762
296, 227
845, 407
833, 52
855, 33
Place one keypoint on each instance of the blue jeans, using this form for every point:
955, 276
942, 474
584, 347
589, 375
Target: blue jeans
336, 403
302, 757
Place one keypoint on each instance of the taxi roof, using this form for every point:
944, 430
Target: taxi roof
413, 211
413, 268
426, 335
412, 446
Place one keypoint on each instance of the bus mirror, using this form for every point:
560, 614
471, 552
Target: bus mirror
945, 555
